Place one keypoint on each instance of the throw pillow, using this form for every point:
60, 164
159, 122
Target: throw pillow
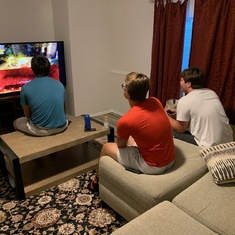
220, 161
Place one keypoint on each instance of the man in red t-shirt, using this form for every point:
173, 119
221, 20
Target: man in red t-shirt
144, 136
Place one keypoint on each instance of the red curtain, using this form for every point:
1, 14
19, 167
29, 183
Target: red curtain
167, 49
213, 48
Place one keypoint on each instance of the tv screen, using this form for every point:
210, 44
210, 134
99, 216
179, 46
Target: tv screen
15, 63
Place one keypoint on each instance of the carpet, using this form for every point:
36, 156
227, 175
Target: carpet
68, 208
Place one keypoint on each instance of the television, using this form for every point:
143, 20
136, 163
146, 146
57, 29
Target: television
15, 63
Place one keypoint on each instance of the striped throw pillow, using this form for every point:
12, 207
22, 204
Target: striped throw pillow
220, 161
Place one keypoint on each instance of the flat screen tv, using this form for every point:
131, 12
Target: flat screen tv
15, 63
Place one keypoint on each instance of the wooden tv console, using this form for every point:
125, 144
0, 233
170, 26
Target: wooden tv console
37, 163
10, 110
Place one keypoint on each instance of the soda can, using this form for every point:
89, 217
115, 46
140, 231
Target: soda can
87, 121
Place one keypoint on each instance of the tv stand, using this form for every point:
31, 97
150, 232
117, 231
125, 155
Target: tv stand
10, 110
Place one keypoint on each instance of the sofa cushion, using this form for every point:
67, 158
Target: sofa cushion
211, 204
220, 160
132, 194
165, 218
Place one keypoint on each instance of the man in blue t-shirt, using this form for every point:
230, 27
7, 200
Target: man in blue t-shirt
43, 102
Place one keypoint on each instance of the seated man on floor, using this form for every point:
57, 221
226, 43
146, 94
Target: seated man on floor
200, 116
144, 138
43, 102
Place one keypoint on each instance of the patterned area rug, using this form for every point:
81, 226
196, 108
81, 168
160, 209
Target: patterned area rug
69, 208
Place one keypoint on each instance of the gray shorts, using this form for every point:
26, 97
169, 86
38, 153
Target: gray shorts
25, 125
130, 157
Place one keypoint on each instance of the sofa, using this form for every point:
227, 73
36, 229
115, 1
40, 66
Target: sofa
194, 197
165, 218
132, 194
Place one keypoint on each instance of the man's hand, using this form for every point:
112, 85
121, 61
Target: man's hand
27, 111
171, 113
121, 143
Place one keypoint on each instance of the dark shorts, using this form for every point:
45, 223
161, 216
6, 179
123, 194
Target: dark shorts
186, 136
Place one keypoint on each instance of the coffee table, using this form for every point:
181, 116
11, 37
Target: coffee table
37, 163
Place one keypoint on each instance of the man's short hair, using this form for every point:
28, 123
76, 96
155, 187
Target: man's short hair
40, 66
195, 76
137, 85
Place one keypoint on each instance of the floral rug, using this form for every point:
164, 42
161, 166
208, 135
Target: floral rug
69, 208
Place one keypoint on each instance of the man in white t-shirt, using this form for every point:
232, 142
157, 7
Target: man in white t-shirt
200, 116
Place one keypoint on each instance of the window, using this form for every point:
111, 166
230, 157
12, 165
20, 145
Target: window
187, 37
187, 41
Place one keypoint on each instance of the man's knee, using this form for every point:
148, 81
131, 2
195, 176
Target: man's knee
109, 149
103, 151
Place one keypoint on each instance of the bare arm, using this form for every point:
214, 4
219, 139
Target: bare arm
27, 111
121, 143
178, 126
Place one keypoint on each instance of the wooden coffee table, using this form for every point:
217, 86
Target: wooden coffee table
37, 163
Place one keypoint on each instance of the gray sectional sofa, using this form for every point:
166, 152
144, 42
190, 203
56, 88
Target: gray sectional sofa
164, 219
184, 200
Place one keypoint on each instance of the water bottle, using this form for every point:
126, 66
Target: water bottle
87, 121
106, 122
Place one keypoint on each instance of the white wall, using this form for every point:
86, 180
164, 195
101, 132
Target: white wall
26, 20
131, 41
108, 39
104, 39
62, 32
90, 45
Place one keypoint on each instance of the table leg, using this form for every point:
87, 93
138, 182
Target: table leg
111, 134
19, 185
3, 165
